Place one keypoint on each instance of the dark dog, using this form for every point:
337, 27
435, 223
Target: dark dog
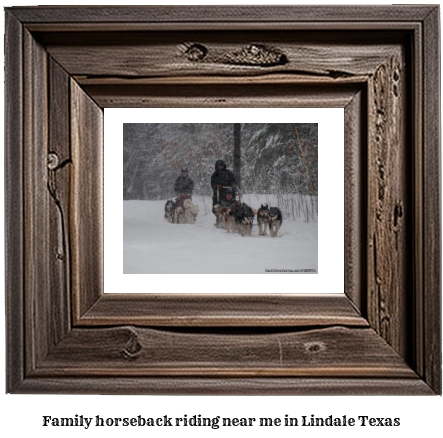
243, 216
248, 219
236, 215
170, 210
262, 219
229, 217
275, 220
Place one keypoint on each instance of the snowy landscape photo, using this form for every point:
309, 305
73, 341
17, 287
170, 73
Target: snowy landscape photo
265, 166
144, 253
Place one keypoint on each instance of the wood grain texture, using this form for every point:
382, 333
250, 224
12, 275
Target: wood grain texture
417, 246
355, 194
384, 340
129, 351
288, 386
58, 176
37, 306
166, 54
250, 310
227, 95
86, 209
223, 14
14, 238
388, 204
431, 321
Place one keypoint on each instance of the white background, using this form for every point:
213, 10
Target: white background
331, 200
21, 415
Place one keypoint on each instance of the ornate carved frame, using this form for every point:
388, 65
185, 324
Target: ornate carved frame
64, 65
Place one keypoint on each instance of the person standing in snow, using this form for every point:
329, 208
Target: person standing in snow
221, 181
184, 184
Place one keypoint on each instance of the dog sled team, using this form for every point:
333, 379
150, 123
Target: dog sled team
182, 210
231, 214
239, 218
234, 215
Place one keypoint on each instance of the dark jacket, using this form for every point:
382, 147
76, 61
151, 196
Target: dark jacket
223, 201
224, 177
184, 185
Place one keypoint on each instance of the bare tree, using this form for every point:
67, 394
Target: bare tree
237, 153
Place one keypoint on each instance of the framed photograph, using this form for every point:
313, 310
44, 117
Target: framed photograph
374, 328
184, 174
279, 167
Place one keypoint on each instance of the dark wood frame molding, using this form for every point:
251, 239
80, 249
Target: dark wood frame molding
65, 64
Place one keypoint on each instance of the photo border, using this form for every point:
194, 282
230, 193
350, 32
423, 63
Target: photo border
329, 121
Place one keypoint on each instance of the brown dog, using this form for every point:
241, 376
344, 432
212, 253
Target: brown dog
229, 218
220, 212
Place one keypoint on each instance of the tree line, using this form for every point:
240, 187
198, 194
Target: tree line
268, 158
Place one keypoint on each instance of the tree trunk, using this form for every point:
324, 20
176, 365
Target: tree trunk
237, 153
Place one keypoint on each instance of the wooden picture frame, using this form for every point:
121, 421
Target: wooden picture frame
65, 64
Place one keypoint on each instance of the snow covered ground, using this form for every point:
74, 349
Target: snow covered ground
153, 246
